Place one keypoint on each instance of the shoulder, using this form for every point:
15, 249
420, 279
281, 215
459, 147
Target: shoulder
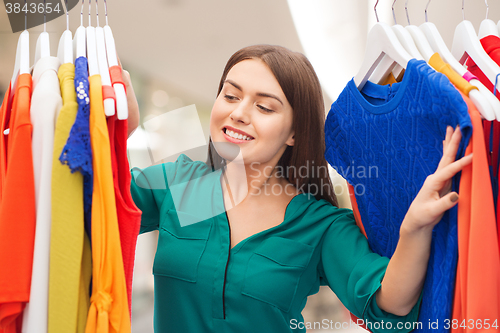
321, 212
159, 176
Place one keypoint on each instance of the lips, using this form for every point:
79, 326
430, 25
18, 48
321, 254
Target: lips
236, 136
236, 131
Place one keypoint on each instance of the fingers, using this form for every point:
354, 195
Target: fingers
445, 203
446, 173
126, 79
450, 146
449, 133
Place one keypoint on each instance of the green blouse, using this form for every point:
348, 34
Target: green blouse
262, 283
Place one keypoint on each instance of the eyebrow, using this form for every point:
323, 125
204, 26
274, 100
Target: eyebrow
258, 94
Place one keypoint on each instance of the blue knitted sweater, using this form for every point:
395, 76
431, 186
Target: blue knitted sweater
385, 140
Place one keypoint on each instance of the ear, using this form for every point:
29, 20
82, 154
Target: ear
291, 139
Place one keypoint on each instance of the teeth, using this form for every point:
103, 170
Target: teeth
237, 135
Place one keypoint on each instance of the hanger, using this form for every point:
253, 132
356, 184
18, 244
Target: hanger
466, 44
487, 27
65, 48
121, 97
404, 36
79, 42
109, 102
406, 40
419, 38
381, 41
438, 45
91, 47
22, 64
42, 49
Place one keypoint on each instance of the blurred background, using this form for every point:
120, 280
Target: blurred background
175, 51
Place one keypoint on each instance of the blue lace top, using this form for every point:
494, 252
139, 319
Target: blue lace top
385, 140
77, 152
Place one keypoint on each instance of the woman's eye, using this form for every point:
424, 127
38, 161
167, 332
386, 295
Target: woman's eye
265, 109
229, 97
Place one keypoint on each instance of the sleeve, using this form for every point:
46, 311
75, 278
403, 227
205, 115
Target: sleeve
354, 273
148, 188
155, 189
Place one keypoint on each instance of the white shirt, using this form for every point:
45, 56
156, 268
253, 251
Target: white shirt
46, 103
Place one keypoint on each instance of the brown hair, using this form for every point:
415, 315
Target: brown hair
301, 87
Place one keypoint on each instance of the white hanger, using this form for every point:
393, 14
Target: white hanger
109, 103
22, 64
404, 36
420, 41
466, 44
121, 96
79, 42
65, 48
419, 38
381, 41
387, 64
42, 49
384, 68
438, 45
487, 27
91, 47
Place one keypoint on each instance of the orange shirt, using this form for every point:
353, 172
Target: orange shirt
109, 310
477, 291
17, 207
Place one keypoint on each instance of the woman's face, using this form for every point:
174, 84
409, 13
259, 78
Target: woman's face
252, 104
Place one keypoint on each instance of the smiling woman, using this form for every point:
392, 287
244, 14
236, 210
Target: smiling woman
247, 236
274, 91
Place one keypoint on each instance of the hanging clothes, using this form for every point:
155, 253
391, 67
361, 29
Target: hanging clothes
77, 152
477, 294
67, 234
46, 102
17, 206
491, 45
397, 132
458, 81
108, 304
129, 216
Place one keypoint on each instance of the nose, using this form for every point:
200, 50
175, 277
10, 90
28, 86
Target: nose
242, 113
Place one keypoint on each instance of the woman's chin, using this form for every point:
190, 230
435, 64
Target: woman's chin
227, 150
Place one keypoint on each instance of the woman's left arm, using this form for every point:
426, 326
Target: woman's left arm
405, 274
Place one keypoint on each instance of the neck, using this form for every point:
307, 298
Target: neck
241, 181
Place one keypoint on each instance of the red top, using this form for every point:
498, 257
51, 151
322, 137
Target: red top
17, 207
477, 292
129, 216
491, 45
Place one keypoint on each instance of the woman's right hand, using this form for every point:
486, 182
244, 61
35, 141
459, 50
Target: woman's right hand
133, 106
